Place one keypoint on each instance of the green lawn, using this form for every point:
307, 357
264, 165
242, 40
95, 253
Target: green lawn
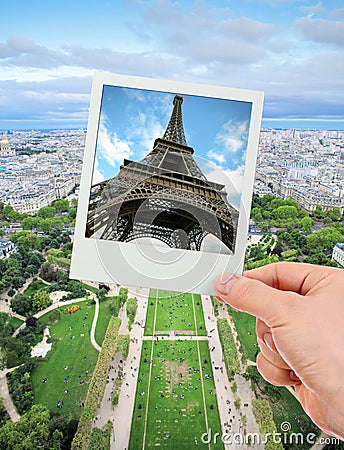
72, 355
90, 288
15, 322
103, 320
174, 312
245, 325
173, 415
30, 290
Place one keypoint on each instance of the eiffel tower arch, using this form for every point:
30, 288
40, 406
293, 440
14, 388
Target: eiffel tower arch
164, 196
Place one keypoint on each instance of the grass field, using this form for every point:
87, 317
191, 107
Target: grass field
90, 288
173, 311
30, 290
245, 325
15, 322
67, 364
175, 399
103, 320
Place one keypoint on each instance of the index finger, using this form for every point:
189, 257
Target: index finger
290, 276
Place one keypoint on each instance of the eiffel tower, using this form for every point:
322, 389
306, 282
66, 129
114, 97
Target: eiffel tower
164, 196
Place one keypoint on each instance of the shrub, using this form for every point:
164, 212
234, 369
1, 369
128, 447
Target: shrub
71, 309
229, 349
267, 427
20, 388
131, 311
123, 342
116, 391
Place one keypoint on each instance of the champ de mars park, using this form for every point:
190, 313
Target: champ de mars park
92, 366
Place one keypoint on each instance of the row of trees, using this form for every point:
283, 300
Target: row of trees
38, 428
9, 215
293, 227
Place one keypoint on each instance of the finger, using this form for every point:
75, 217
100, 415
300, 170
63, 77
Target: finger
290, 276
268, 347
273, 374
253, 296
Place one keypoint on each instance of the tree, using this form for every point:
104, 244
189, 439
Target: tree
46, 211
285, 214
61, 205
72, 214
29, 223
21, 304
45, 225
333, 215
319, 213
323, 241
101, 294
41, 300
306, 224
237, 403
31, 321
36, 259
256, 214
30, 432
49, 272
30, 270
10, 214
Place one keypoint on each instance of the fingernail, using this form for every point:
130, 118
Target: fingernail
225, 283
268, 341
293, 376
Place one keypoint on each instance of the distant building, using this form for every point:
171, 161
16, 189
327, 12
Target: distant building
261, 189
338, 254
6, 248
5, 148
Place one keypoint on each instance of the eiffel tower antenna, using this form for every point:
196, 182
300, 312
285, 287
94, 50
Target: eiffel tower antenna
164, 196
175, 130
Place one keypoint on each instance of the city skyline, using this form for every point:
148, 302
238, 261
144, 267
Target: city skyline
290, 49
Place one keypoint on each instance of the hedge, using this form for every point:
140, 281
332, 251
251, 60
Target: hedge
123, 342
229, 349
267, 427
131, 310
97, 386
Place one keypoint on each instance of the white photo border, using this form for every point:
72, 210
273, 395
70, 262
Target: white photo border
123, 263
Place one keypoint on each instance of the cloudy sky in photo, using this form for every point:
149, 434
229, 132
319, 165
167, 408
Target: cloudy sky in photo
293, 50
217, 130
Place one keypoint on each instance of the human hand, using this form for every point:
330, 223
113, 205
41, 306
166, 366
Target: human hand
300, 330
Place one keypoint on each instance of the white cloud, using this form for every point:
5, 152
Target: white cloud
219, 157
233, 136
311, 10
321, 30
232, 180
110, 147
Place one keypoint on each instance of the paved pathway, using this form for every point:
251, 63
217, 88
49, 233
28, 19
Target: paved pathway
54, 305
94, 323
4, 393
121, 415
225, 396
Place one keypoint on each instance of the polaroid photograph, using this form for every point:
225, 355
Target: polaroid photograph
167, 183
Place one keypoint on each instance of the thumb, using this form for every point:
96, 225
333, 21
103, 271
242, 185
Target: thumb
254, 297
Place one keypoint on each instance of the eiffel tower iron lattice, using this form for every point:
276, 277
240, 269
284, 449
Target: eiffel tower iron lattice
164, 196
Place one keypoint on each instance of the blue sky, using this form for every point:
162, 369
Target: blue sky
293, 50
217, 129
